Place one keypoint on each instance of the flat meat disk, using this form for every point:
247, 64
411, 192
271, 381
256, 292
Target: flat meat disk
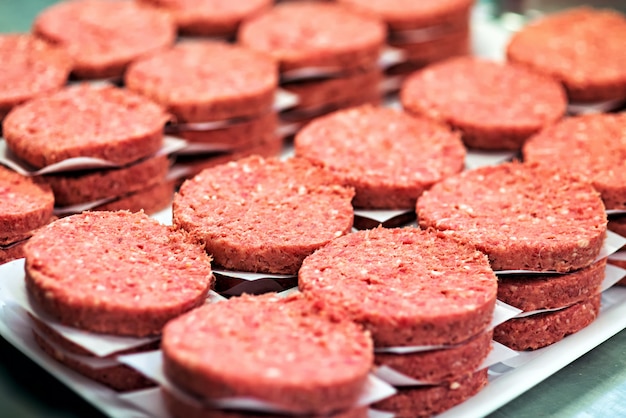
442, 365
263, 215
30, 68
104, 36
83, 187
85, 121
388, 156
120, 378
469, 94
427, 401
115, 272
523, 216
239, 136
307, 34
203, 81
593, 146
150, 200
25, 205
410, 14
537, 331
314, 94
182, 408
531, 292
210, 17
581, 47
406, 286
286, 351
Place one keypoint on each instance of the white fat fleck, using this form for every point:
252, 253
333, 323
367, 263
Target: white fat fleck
338, 234
436, 273
246, 168
583, 243
455, 385
302, 190
100, 288
273, 372
364, 272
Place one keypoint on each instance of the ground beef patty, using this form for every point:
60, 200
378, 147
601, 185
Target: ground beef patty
308, 34
115, 272
85, 121
593, 146
263, 215
88, 186
25, 205
210, 17
406, 286
536, 331
441, 365
531, 292
523, 216
426, 401
583, 48
204, 81
149, 200
30, 68
287, 351
389, 157
468, 94
104, 36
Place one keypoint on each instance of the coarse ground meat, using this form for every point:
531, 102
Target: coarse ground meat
30, 67
286, 351
25, 205
523, 216
543, 329
406, 286
531, 292
119, 377
263, 215
115, 272
308, 34
592, 146
104, 36
86, 186
426, 401
402, 15
581, 47
468, 94
85, 121
440, 365
199, 81
388, 156
210, 17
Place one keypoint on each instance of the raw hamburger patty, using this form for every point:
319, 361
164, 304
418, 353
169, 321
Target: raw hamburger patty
308, 34
104, 36
593, 146
443, 365
263, 215
115, 272
149, 200
409, 14
85, 121
523, 216
530, 292
82, 187
389, 157
427, 401
180, 408
334, 91
287, 351
583, 48
25, 205
468, 94
536, 331
30, 68
120, 377
406, 286
203, 81
210, 17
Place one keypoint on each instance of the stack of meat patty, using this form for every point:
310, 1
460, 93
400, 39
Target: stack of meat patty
410, 289
532, 218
